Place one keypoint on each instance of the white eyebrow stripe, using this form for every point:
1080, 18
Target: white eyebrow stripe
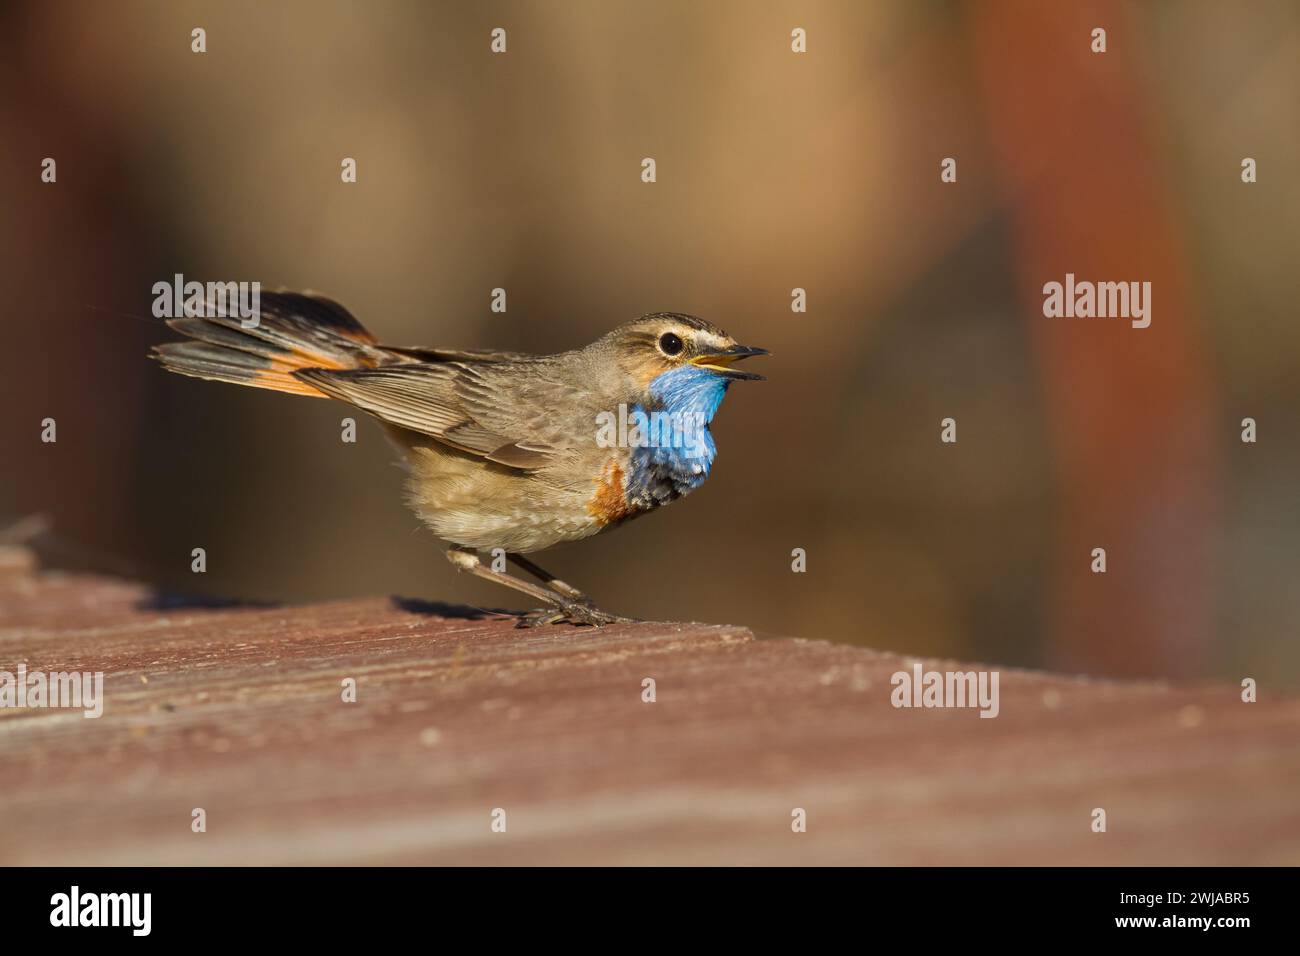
711, 341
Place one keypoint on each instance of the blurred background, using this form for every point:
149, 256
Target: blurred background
775, 171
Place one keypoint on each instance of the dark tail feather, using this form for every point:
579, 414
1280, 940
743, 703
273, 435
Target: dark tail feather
294, 331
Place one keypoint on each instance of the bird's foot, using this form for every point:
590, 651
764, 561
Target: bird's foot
571, 612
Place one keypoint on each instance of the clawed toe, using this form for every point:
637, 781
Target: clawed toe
571, 613
590, 614
541, 617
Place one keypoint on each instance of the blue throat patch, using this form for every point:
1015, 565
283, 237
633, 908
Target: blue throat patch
679, 450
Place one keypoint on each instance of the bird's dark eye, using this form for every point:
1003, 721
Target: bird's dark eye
670, 344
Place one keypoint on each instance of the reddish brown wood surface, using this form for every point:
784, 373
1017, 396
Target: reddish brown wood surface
239, 711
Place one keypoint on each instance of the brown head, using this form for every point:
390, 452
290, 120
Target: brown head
661, 342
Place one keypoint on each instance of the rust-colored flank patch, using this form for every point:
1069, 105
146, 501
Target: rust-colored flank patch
609, 503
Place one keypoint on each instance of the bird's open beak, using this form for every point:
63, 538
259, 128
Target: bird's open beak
721, 362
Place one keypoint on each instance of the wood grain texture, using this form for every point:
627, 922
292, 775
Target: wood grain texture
238, 710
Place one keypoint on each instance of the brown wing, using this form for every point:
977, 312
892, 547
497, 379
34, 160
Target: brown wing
426, 354
507, 412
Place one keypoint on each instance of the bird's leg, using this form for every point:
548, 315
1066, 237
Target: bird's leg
568, 590
467, 560
561, 607
550, 580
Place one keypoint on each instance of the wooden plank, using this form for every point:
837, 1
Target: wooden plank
239, 711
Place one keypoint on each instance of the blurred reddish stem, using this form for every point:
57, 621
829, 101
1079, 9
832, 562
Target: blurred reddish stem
1130, 411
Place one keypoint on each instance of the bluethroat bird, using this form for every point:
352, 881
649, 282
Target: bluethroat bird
502, 449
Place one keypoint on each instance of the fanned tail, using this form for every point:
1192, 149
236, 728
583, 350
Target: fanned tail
294, 331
